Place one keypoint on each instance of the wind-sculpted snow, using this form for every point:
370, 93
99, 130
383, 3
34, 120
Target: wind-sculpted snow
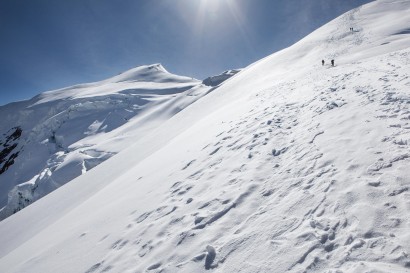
290, 166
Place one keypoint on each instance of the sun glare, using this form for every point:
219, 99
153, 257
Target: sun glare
216, 10
210, 2
212, 14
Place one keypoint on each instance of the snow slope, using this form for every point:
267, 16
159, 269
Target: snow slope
287, 167
59, 135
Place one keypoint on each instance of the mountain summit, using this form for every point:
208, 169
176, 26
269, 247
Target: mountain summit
288, 166
149, 73
61, 134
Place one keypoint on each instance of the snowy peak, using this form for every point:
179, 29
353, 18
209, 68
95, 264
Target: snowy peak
147, 79
65, 133
150, 73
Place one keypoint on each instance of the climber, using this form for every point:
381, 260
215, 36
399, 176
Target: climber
323, 62
332, 62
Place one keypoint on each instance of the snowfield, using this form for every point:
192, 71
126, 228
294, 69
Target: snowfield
288, 166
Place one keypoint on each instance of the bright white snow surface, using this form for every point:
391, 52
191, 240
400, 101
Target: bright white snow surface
290, 166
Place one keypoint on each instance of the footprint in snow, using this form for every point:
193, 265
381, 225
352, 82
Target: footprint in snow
154, 266
210, 257
189, 164
279, 152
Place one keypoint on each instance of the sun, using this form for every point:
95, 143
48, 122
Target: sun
210, 5
211, 14
211, 2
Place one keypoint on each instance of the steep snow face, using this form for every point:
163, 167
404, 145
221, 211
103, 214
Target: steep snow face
64, 133
290, 166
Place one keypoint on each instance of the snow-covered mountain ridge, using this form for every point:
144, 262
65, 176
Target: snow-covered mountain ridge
290, 166
66, 132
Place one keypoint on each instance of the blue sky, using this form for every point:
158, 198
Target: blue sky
50, 44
